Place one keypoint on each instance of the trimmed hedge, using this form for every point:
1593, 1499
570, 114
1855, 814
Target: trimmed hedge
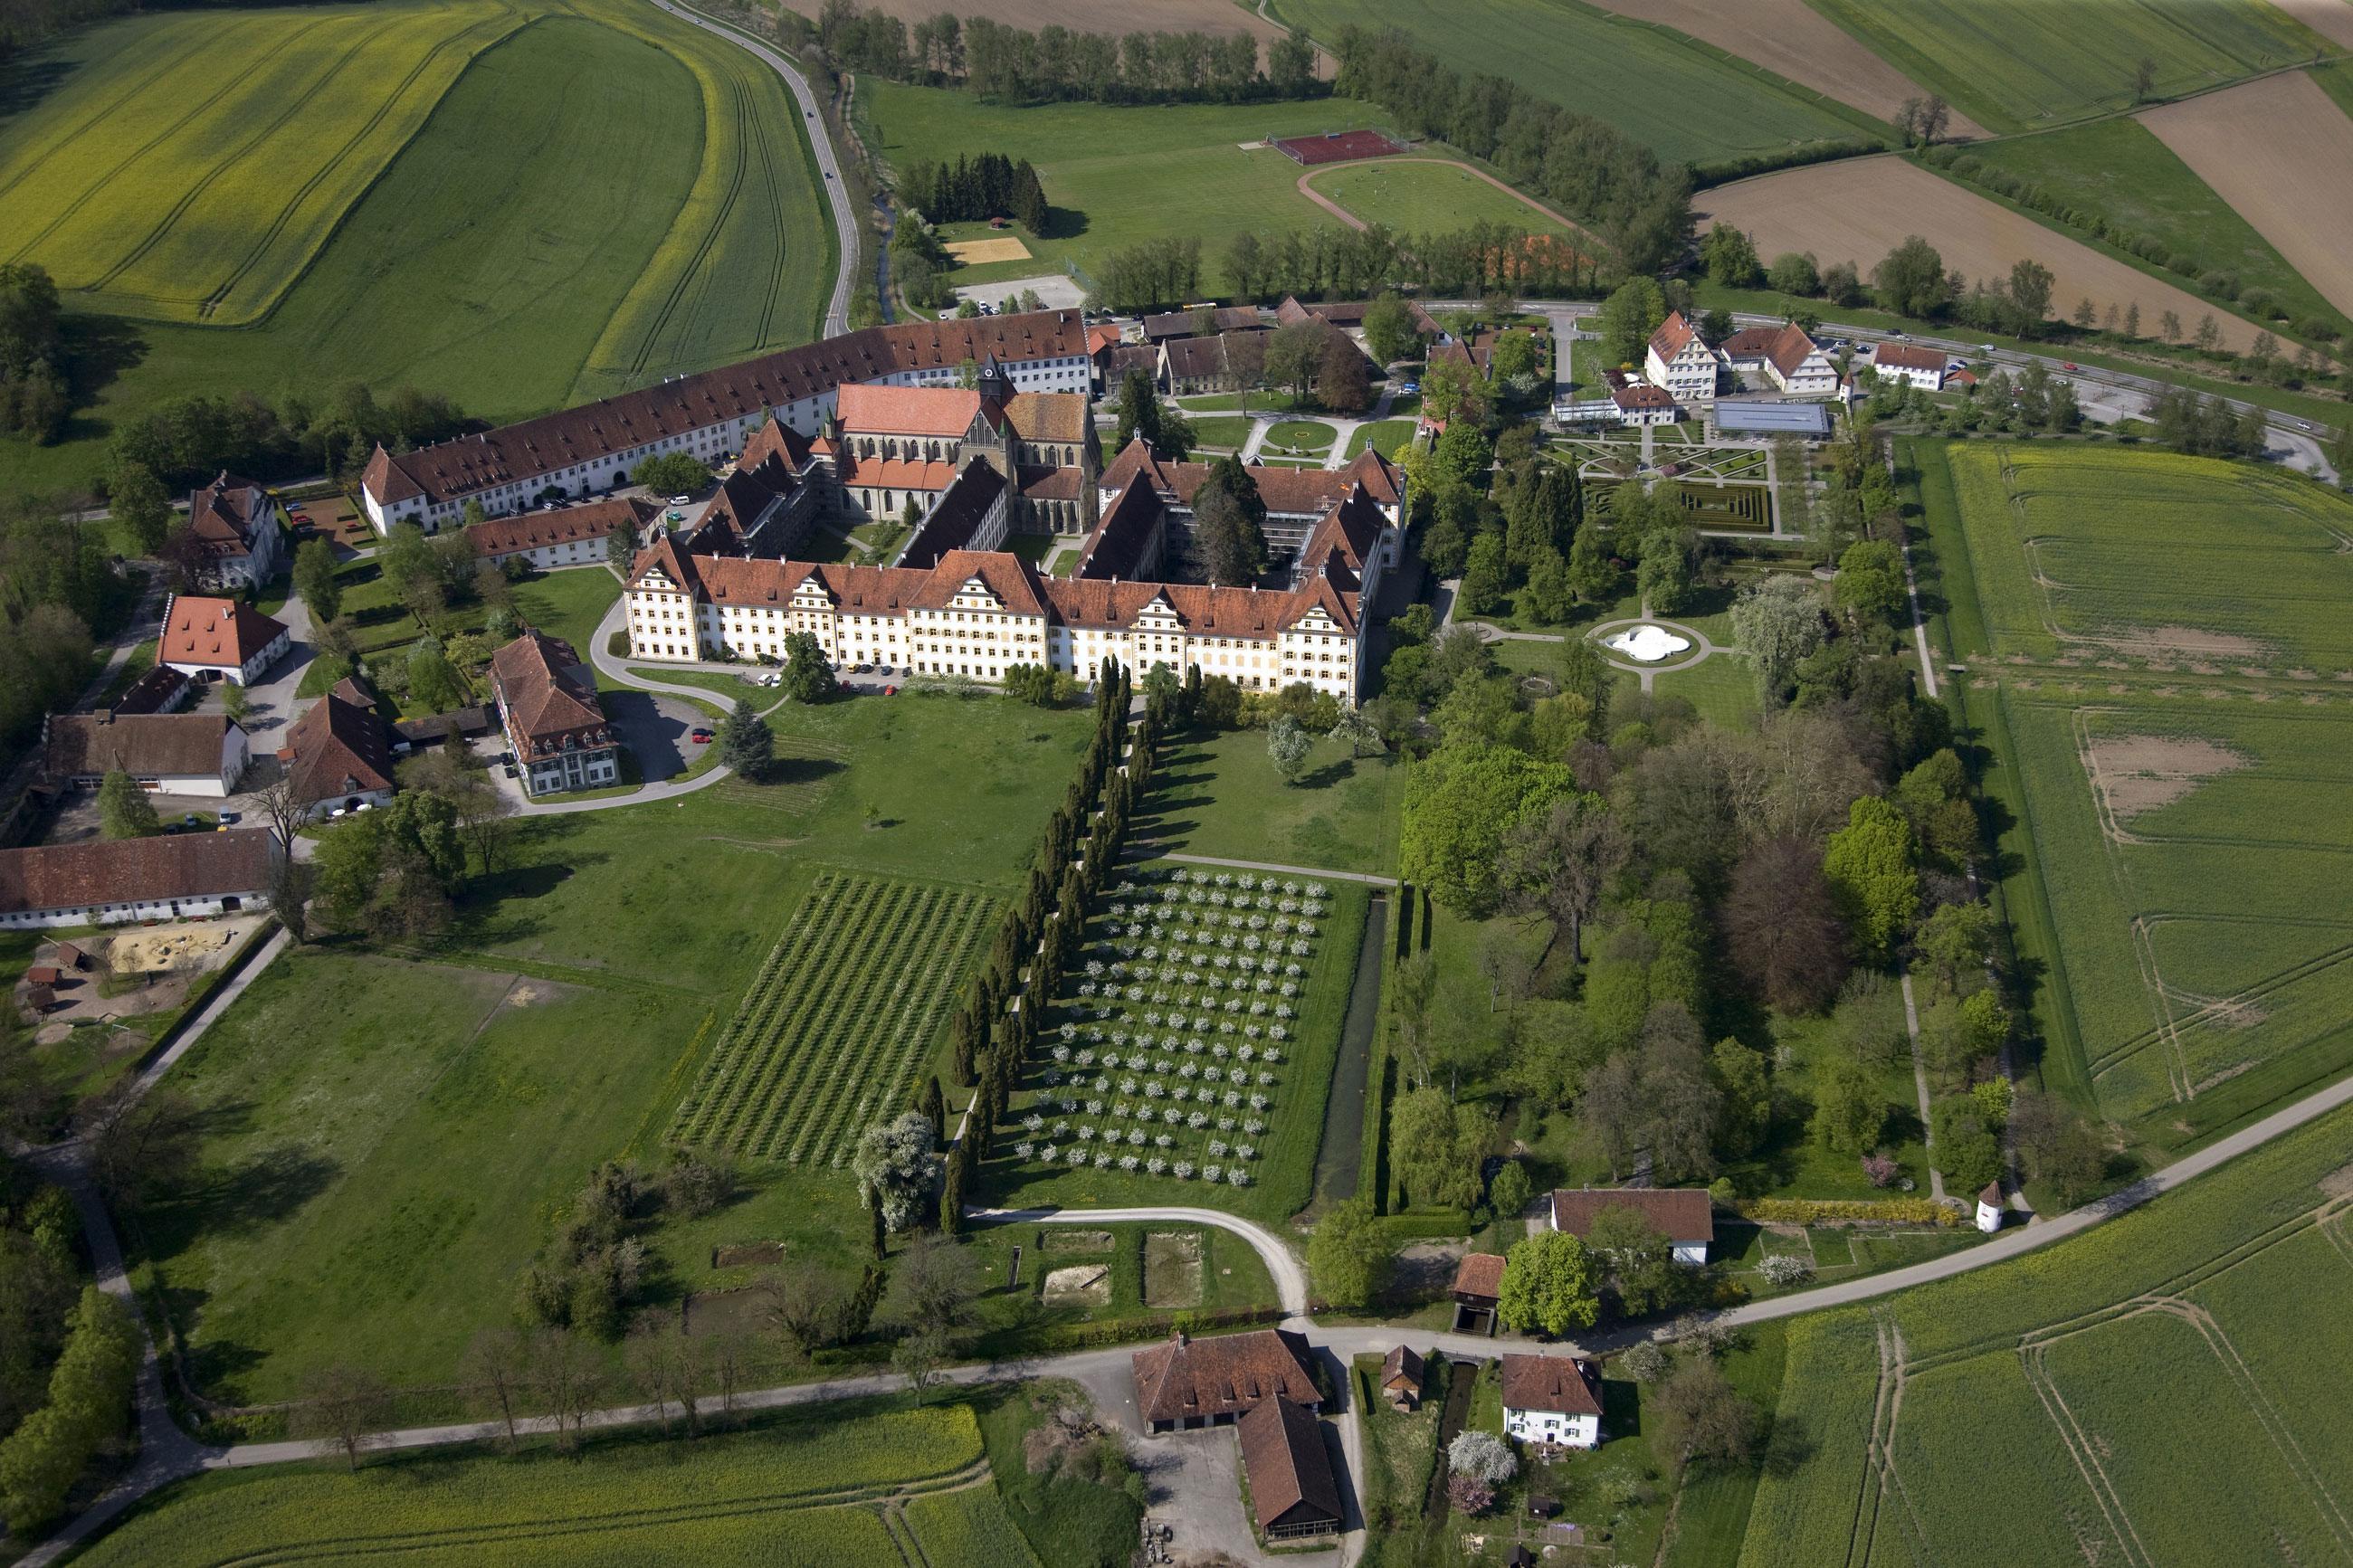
1835, 1211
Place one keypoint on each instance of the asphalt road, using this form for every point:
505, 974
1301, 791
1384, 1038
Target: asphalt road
844, 219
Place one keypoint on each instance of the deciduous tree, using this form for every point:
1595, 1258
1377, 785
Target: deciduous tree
1350, 1254
1549, 1284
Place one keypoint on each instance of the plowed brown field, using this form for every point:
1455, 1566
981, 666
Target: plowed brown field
1790, 38
2332, 19
2281, 152
1860, 210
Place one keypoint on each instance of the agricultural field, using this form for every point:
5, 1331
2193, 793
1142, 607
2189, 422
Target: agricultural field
1793, 38
2061, 1376
522, 250
1116, 175
1190, 1060
1616, 68
2281, 152
807, 1491
1426, 195
1861, 209
2122, 171
386, 1137
2174, 755
2021, 65
837, 1020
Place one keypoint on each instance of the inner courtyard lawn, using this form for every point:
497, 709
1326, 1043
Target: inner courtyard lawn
387, 1139
1218, 795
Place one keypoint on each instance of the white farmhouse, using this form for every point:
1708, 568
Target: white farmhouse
1915, 366
222, 639
1680, 359
103, 882
168, 753
1684, 1213
1785, 356
1553, 1400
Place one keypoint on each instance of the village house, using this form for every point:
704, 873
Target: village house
1912, 365
1183, 1382
338, 756
168, 753
1227, 363
1402, 1375
1679, 359
1552, 1400
711, 413
547, 702
234, 524
1294, 1496
106, 881
569, 536
1685, 1214
221, 639
1786, 357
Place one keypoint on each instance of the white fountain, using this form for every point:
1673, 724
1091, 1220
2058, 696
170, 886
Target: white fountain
1646, 644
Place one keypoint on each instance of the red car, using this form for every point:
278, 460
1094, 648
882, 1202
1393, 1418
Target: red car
700, 735
2066, 365
890, 691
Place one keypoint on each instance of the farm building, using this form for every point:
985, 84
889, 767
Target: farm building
570, 536
169, 753
1401, 1377
1172, 324
338, 756
234, 526
1913, 366
1784, 356
1685, 1214
1293, 1493
1223, 363
710, 413
161, 689
553, 723
1348, 315
1758, 421
107, 881
1552, 1399
225, 639
1186, 1383
1477, 1287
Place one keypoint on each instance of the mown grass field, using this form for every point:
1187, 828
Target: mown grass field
1218, 795
387, 1141
2119, 170
1416, 196
831, 1030
2176, 806
2058, 1382
1613, 68
606, 197
2020, 65
808, 1490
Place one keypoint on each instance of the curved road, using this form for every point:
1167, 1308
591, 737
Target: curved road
1282, 1265
845, 220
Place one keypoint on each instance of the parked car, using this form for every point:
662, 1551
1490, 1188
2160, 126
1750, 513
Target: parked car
511, 771
890, 691
862, 668
681, 500
700, 735
231, 818
2067, 364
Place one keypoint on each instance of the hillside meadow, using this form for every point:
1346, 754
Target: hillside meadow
605, 197
2057, 1383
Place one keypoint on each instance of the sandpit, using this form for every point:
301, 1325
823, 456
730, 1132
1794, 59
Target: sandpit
1088, 1285
981, 252
153, 951
1646, 644
1172, 1268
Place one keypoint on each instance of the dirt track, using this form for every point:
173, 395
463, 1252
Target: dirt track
2281, 152
1860, 210
1790, 38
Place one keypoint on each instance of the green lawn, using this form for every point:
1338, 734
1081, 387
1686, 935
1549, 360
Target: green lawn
2053, 1370
1390, 436
1220, 795
566, 604
2017, 65
1609, 67
2119, 171
1299, 438
525, 248
1415, 197
388, 1143
1222, 432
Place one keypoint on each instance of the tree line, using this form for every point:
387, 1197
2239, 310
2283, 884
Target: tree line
1055, 64
985, 185
1348, 264
35, 393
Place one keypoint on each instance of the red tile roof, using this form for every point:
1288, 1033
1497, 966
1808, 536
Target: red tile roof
222, 634
546, 699
956, 517
1401, 1368
166, 745
98, 871
1686, 1214
1297, 492
1289, 1469
222, 514
582, 524
943, 411
1479, 1274
339, 747
1673, 335
1910, 356
896, 473
1185, 1378
1556, 1383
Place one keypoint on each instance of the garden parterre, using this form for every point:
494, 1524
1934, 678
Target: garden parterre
833, 1028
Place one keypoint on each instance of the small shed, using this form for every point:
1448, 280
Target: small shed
1543, 1507
1521, 1557
1990, 1207
40, 999
1401, 1379
68, 956
42, 974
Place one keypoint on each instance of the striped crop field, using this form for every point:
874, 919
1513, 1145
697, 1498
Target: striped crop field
970, 1529
833, 1028
2057, 1383
809, 1493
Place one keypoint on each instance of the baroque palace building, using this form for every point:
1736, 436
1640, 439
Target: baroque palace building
956, 605
711, 415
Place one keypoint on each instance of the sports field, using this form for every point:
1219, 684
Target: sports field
1684, 99
2283, 151
1860, 209
1418, 196
389, 1137
2121, 171
2021, 65
606, 197
2060, 1385
805, 1491
2160, 672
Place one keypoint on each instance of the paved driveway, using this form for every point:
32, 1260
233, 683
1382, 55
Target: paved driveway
654, 726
